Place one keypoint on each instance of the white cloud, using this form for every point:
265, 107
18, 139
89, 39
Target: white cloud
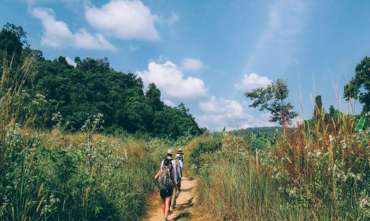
84, 39
191, 64
220, 106
169, 102
124, 19
219, 113
252, 81
58, 35
70, 61
171, 80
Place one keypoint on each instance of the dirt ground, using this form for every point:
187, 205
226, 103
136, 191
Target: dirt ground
186, 209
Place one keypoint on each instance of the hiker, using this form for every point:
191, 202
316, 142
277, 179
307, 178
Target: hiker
180, 160
167, 178
176, 190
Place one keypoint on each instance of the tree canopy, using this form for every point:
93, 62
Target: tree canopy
272, 98
91, 88
359, 86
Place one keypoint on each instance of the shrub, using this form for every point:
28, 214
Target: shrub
58, 177
208, 145
312, 173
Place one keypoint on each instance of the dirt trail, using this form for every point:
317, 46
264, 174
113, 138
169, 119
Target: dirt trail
186, 204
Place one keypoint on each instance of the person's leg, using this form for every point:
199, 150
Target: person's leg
178, 188
162, 197
167, 203
164, 206
173, 200
180, 179
179, 185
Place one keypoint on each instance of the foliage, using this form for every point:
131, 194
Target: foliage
75, 177
12, 40
260, 137
91, 88
258, 142
318, 108
308, 174
332, 120
54, 175
267, 131
205, 146
359, 86
273, 99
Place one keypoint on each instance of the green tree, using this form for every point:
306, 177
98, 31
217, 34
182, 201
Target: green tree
359, 87
91, 88
273, 99
153, 94
12, 40
318, 112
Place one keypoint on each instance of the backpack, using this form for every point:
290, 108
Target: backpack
165, 177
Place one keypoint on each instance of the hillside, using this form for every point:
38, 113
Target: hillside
71, 95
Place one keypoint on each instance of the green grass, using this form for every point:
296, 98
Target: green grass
52, 175
49, 177
310, 174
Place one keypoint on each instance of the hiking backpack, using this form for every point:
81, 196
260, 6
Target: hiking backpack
165, 177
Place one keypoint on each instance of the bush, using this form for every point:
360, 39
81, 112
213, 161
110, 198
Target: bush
309, 174
58, 177
208, 145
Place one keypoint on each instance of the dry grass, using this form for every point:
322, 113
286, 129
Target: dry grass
54, 175
320, 171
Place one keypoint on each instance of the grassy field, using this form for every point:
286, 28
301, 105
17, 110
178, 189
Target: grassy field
320, 171
55, 175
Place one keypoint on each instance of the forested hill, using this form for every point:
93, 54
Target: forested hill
72, 96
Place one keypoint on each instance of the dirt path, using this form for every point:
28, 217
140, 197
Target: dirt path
186, 205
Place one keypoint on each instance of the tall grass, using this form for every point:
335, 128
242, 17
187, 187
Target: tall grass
59, 177
319, 171
12, 81
52, 175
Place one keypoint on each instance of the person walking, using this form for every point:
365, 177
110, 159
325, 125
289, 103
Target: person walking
167, 179
176, 190
180, 160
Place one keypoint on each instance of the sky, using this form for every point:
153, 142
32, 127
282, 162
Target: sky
208, 53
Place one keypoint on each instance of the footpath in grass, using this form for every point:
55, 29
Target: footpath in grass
187, 208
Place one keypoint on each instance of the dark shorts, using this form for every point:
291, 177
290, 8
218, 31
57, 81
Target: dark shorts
165, 193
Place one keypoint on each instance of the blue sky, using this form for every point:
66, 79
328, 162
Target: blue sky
206, 54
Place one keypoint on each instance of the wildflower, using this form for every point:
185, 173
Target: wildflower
365, 202
331, 138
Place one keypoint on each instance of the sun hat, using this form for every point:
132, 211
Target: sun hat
169, 151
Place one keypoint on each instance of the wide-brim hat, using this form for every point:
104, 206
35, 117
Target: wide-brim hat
169, 151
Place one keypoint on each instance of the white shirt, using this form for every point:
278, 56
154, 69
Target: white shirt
181, 164
174, 169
